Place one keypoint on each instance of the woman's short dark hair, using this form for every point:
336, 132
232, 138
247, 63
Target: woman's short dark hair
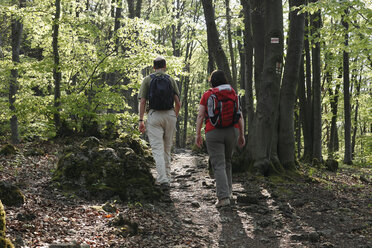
159, 63
218, 78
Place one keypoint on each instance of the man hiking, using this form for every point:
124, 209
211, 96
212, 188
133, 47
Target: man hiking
162, 94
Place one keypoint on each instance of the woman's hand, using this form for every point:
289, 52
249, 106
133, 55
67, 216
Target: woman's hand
241, 140
199, 140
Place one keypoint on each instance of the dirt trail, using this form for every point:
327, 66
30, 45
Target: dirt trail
284, 214
333, 212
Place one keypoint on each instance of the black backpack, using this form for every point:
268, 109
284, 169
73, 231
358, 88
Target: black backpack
161, 92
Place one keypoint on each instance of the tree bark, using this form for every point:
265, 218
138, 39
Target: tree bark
17, 29
317, 100
264, 122
248, 63
229, 40
57, 75
134, 8
353, 141
286, 144
333, 139
347, 107
258, 30
214, 44
302, 101
308, 109
118, 16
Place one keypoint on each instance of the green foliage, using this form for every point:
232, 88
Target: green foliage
102, 69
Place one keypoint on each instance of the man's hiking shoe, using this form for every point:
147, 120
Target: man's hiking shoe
223, 203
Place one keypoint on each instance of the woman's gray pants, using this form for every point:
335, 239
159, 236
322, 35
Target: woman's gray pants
221, 143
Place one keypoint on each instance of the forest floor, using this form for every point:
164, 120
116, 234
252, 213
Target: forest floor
321, 209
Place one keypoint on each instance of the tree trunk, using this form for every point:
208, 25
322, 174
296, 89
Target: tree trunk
353, 141
332, 145
308, 109
302, 101
186, 109
134, 9
243, 83
57, 75
214, 44
229, 39
258, 30
347, 107
17, 29
286, 144
317, 100
211, 61
176, 44
118, 16
264, 121
248, 65
298, 133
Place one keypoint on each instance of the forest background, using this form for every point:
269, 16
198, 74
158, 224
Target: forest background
302, 68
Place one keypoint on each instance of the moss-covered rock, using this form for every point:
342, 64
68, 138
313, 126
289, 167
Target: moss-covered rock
90, 143
4, 242
11, 195
8, 149
2, 220
95, 170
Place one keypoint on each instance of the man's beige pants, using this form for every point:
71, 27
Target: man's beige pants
161, 126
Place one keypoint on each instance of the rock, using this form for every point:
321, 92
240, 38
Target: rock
2, 220
195, 204
188, 221
326, 245
11, 195
125, 227
96, 170
299, 203
109, 208
90, 143
4, 242
8, 149
69, 245
25, 216
312, 237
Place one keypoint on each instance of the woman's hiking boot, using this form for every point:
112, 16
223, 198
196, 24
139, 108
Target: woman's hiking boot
223, 203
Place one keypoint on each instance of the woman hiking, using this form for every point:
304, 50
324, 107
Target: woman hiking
224, 128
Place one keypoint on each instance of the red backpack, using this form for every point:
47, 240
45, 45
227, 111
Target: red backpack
223, 106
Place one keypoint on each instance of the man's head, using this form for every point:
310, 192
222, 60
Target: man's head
218, 78
159, 63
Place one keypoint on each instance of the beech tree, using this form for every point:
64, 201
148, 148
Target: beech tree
57, 74
17, 29
261, 139
79, 71
214, 44
347, 107
286, 144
